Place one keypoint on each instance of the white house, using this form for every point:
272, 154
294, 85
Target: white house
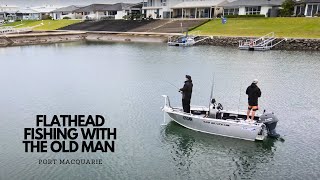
93, 11
45, 11
65, 12
307, 8
4, 8
118, 10
159, 9
28, 14
106, 11
8, 12
268, 8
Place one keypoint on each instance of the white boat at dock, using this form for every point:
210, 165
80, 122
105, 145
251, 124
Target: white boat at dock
187, 40
215, 120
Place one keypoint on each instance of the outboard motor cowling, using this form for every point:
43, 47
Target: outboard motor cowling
270, 120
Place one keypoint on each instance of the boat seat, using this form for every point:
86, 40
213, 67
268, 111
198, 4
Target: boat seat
218, 115
229, 116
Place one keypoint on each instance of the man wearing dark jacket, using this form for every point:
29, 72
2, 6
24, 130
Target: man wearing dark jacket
186, 94
253, 93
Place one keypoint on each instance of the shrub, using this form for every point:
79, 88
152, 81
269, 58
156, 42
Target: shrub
245, 16
301, 15
287, 8
46, 17
66, 17
132, 16
317, 15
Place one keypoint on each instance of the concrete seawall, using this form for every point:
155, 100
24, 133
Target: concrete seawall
127, 37
69, 36
40, 38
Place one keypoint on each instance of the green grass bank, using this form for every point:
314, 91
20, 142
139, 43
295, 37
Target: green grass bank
47, 24
292, 27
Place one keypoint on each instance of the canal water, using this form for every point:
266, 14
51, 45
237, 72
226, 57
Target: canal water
124, 82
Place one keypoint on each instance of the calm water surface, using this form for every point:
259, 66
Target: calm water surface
124, 82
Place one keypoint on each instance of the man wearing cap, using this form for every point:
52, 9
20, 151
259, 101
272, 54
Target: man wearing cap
186, 94
253, 93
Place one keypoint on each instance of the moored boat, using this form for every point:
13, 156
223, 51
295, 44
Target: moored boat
182, 41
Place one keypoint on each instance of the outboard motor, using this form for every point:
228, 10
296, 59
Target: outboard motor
270, 120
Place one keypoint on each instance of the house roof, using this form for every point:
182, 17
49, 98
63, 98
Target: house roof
191, 4
44, 9
7, 6
68, 8
239, 3
115, 7
28, 11
10, 12
307, 1
106, 7
93, 7
126, 6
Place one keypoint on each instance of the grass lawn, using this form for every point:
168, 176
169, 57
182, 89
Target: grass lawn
282, 27
48, 24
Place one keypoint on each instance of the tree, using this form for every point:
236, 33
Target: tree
287, 8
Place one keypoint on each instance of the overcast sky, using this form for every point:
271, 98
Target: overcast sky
60, 2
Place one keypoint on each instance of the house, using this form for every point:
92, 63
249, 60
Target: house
269, 8
107, 11
93, 11
45, 11
307, 8
28, 14
11, 8
159, 9
8, 12
65, 12
8, 15
201, 9
118, 10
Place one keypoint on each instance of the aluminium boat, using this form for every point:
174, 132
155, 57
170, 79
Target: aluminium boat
215, 120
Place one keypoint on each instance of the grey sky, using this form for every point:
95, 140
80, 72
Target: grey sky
60, 2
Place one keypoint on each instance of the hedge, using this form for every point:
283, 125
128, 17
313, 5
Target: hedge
245, 16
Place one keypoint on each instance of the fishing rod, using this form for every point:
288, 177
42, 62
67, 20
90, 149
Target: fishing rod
239, 97
212, 86
172, 84
193, 91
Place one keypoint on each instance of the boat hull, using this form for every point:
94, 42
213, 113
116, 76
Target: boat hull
240, 130
180, 44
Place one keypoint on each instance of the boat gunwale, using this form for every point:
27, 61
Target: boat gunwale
256, 124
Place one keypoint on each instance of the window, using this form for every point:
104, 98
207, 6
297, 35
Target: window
112, 13
313, 9
163, 2
150, 3
166, 14
231, 11
299, 10
253, 10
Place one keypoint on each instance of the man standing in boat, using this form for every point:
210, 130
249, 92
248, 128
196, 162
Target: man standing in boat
186, 94
253, 92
